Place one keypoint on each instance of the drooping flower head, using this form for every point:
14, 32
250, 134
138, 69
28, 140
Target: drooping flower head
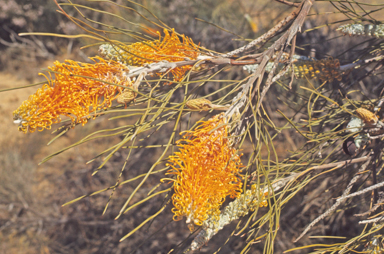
169, 48
207, 170
76, 90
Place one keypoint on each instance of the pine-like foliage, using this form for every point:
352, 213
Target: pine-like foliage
291, 146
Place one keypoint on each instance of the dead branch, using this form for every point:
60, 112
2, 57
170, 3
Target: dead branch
370, 188
339, 200
342, 163
164, 66
372, 220
272, 32
374, 208
288, 3
360, 62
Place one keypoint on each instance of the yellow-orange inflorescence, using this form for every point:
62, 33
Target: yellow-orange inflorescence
76, 91
169, 48
207, 170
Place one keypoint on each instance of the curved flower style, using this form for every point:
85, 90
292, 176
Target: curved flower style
207, 171
169, 48
77, 90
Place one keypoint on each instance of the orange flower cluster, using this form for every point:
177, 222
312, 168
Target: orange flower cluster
207, 170
76, 91
169, 48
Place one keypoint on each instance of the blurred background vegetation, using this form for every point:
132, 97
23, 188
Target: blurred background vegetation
32, 219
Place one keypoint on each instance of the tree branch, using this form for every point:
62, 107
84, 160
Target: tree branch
268, 35
338, 201
288, 3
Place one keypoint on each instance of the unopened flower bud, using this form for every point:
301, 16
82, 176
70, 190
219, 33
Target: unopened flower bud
199, 104
126, 96
367, 116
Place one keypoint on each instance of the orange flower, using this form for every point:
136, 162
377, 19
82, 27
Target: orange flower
169, 48
207, 171
73, 92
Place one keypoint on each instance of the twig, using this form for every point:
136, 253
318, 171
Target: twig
338, 201
281, 73
343, 163
288, 3
240, 99
268, 83
370, 188
286, 39
270, 33
374, 208
293, 47
376, 137
258, 75
372, 220
360, 62
165, 66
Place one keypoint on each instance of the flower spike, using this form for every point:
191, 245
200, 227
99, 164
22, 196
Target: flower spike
207, 170
76, 91
169, 48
